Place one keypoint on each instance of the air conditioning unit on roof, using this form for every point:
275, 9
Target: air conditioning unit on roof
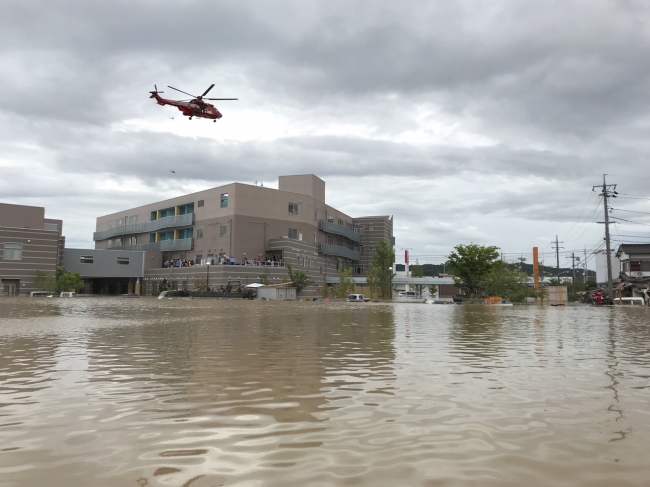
640, 274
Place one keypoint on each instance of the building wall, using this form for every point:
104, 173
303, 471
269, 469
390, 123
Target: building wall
41, 250
254, 217
375, 229
105, 263
601, 267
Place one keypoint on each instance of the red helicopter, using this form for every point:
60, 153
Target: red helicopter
194, 107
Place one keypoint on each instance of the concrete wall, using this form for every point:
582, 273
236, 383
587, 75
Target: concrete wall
105, 263
304, 184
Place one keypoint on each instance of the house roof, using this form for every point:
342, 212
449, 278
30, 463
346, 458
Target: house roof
632, 249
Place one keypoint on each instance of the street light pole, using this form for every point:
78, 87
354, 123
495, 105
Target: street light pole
207, 281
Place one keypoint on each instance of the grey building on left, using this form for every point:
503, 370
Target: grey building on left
29, 242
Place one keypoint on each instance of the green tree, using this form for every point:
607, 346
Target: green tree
200, 284
46, 281
433, 289
264, 277
507, 283
346, 283
380, 274
299, 278
70, 281
471, 263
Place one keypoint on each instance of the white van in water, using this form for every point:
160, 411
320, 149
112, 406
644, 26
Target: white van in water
40, 294
68, 295
638, 301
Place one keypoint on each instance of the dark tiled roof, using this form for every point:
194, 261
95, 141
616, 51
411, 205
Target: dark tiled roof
632, 249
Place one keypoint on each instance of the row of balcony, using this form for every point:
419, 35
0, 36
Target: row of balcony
339, 251
338, 230
162, 246
151, 226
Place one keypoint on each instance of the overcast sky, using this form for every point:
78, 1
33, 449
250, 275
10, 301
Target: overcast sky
469, 121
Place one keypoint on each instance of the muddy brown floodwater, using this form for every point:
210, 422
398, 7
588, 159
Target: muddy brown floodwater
189, 392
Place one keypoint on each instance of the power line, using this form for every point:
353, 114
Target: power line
631, 211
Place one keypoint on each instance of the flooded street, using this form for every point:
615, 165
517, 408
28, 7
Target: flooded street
128, 392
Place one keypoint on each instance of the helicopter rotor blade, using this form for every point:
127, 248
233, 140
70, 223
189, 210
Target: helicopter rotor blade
206, 91
189, 94
156, 90
221, 98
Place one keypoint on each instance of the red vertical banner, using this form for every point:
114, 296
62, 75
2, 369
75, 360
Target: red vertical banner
535, 268
406, 256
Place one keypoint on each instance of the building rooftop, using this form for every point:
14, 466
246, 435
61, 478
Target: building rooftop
632, 249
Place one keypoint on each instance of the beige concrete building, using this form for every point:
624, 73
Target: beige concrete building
29, 242
246, 224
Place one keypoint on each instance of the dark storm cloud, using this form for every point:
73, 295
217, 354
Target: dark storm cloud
557, 93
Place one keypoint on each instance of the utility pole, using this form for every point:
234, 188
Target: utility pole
573, 264
607, 191
557, 252
584, 276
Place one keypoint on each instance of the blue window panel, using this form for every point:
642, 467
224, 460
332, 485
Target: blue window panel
224, 200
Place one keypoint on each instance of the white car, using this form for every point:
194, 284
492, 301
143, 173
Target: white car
359, 298
68, 295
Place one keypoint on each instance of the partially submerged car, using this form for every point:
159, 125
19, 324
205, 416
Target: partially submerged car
357, 298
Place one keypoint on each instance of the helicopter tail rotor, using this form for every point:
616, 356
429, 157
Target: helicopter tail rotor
155, 90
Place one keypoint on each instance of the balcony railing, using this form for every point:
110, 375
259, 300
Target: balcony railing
152, 226
162, 246
339, 251
338, 230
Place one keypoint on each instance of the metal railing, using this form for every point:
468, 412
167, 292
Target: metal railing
339, 251
338, 230
162, 246
151, 226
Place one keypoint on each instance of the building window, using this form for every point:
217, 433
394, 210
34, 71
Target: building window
359, 229
315, 215
86, 259
109, 244
293, 208
635, 265
330, 218
340, 222
134, 219
330, 240
371, 229
123, 260
120, 221
200, 203
224, 200
199, 231
110, 224
133, 240
339, 241
293, 233
223, 229
358, 270
13, 251
315, 237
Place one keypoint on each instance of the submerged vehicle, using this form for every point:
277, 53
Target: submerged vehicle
358, 298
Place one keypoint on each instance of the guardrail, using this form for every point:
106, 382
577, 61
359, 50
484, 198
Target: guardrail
162, 246
338, 230
339, 251
151, 226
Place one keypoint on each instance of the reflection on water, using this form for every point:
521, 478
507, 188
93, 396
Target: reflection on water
206, 393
